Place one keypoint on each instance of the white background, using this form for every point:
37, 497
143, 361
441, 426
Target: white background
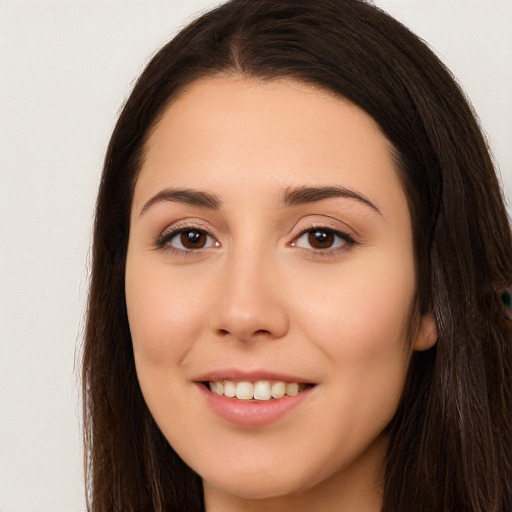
65, 69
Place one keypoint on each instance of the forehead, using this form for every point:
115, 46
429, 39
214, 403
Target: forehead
233, 134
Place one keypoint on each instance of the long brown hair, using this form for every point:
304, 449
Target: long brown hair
450, 443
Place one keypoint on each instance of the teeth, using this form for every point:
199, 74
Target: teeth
260, 390
244, 391
218, 388
229, 389
278, 389
292, 388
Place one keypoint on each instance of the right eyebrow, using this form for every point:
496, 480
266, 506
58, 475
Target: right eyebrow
186, 196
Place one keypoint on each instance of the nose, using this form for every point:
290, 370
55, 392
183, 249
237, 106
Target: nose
251, 303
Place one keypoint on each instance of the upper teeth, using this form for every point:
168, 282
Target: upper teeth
260, 390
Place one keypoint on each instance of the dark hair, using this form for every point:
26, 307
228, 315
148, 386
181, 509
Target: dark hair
450, 443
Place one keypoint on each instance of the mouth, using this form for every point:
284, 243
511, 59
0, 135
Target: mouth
257, 391
255, 398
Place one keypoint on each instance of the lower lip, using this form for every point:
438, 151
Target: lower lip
252, 413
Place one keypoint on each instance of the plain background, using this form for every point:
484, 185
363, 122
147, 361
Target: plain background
65, 69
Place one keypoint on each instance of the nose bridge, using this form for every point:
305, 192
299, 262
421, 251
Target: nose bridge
251, 305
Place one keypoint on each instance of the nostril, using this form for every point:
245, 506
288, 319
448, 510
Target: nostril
259, 332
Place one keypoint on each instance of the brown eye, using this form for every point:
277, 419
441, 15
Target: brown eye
321, 239
193, 239
187, 240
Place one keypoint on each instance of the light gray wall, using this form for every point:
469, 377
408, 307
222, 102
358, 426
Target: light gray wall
65, 68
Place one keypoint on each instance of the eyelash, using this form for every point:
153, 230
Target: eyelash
167, 236
348, 241
346, 238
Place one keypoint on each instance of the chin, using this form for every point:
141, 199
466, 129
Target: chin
257, 486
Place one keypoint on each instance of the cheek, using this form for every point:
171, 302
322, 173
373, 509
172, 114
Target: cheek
360, 322
164, 315
362, 311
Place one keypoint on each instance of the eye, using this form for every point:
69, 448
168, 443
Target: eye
188, 239
323, 239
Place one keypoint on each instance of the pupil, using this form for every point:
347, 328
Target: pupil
193, 239
320, 239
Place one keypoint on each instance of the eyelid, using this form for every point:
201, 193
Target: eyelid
344, 237
344, 234
184, 225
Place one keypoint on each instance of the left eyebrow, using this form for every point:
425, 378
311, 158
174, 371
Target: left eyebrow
304, 195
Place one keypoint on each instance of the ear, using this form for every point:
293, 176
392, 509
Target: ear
426, 336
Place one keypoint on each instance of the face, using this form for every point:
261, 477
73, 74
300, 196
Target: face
270, 253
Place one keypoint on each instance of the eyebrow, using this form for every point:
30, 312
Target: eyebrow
305, 195
292, 197
186, 196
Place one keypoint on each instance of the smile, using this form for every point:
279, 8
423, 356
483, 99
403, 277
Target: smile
261, 390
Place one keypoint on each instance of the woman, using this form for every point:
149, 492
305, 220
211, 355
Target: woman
300, 269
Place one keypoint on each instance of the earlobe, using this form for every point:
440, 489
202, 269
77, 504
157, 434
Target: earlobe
426, 336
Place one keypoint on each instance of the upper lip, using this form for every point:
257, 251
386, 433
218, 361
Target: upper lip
236, 374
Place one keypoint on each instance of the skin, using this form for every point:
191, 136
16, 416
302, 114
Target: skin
259, 296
